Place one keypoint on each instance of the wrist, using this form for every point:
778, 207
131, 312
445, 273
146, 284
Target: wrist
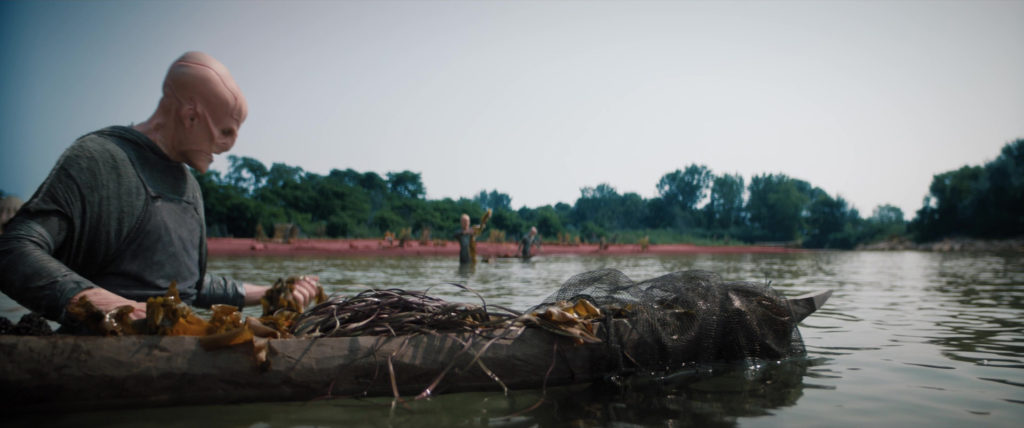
253, 293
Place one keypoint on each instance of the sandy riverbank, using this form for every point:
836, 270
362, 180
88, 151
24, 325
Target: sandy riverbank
374, 247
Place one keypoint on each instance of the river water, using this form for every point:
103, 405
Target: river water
907, 339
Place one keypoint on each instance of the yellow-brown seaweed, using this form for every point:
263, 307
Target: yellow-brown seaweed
568, 319
280, 308
117, 322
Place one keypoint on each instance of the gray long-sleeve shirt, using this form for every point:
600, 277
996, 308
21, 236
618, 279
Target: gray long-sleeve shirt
117, 213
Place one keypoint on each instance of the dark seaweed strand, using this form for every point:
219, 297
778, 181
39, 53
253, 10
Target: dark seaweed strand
394, 312
466, 288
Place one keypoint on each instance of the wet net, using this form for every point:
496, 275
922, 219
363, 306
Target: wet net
686, 317
660, 324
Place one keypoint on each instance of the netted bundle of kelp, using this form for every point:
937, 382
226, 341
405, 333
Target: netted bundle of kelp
396, 312
668, 321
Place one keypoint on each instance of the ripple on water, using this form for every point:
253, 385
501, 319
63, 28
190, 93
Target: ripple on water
907, 339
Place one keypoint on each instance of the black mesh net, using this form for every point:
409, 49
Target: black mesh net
687, 317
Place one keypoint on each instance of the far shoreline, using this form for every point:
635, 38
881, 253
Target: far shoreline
381, 248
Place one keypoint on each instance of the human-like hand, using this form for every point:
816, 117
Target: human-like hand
106, 301
306, 289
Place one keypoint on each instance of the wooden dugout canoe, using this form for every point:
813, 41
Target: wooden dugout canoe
70, 372
50, 373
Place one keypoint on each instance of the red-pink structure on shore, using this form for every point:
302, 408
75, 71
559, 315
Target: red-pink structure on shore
374, 247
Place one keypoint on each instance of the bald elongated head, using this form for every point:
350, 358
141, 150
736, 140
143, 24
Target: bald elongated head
201, 111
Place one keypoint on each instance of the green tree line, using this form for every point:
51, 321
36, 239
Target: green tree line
693, 204
984, 201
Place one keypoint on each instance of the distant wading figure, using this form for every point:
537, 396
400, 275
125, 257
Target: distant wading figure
467, 237
527, 242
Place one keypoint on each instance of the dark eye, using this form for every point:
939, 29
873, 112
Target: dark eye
227, 132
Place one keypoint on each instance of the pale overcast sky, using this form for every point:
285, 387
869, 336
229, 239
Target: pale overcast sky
866, 100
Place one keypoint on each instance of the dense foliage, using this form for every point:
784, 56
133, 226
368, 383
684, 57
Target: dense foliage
693, 205
976, 201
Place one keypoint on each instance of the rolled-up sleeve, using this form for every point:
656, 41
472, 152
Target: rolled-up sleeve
220, 290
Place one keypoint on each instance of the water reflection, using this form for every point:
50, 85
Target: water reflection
913, 321
988, 334
466, 270
703, 397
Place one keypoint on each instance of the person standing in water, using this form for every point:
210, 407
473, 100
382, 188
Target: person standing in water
466, 236
528, 241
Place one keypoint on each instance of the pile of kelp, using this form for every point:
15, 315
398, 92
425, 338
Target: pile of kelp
374, 312
396, 312
170, 316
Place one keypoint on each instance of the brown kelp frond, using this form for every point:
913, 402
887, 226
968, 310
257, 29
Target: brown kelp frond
573, 319
168, 315
433, 385
397, 312
483, 302
281, 308
543, 388
281, 296
113, 323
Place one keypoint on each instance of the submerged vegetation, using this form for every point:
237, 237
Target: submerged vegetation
694, 205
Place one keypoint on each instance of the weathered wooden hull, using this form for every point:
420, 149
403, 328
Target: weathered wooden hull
75, 372
67, 372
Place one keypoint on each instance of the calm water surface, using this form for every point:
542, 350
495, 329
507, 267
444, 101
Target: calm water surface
907, 339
